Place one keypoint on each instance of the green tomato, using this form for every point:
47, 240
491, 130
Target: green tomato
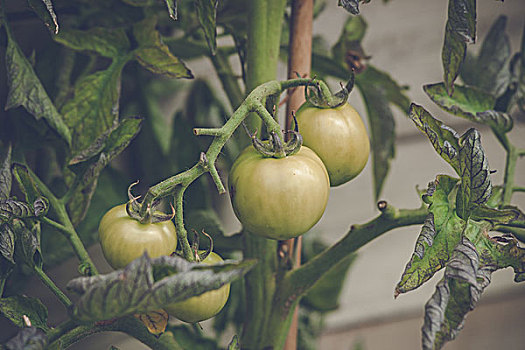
123, 239
278, 198
339, 138
204, 306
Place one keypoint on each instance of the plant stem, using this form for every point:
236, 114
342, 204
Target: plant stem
510, 169
265, 19
53, 287
260, 288
513, 154
65, 226
60, 330
301, 280
298, 282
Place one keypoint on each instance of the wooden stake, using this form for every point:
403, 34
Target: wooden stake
299, 62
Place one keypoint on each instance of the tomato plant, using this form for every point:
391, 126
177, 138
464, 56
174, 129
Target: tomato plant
338, 136
278, 198
123, 239
76, 74
204, 306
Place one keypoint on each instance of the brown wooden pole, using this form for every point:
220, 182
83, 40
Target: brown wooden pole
299, 62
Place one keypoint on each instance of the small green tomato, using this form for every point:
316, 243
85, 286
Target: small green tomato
339, 138
124, 239
278, 198
204, 306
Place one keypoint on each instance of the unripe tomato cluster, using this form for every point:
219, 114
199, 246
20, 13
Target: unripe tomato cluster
277, 198
124, 239
282, 198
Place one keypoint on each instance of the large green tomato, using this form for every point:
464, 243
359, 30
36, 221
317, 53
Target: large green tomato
278, 198
339, 138
123, 239
204, 306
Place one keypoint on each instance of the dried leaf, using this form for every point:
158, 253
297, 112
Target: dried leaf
155, 321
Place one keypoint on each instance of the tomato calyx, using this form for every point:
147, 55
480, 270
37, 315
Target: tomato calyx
152, 215
274, 147
198, 255
318, 94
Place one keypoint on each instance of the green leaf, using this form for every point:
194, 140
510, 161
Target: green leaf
462, 19
93, 109
350, 40
13, 308
327, 66
351, 6
160, 125
324, 295
25, 89
452, 56
489, 71
154, 55
444, 139
475, 187
147, 284
105, 148
25, 182
29, 338
381, 122
470, 103
27, 247
460, 29
207, 14
44, 10
89, 163
207, 220
495, 216
439, 236
108, 42
379, 90
5, 173
7, 243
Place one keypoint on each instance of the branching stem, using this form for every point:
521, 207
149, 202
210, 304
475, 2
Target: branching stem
177, 184
64, 225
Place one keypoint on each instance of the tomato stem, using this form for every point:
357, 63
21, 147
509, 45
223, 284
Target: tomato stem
64, 226
177, 184
48, 282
